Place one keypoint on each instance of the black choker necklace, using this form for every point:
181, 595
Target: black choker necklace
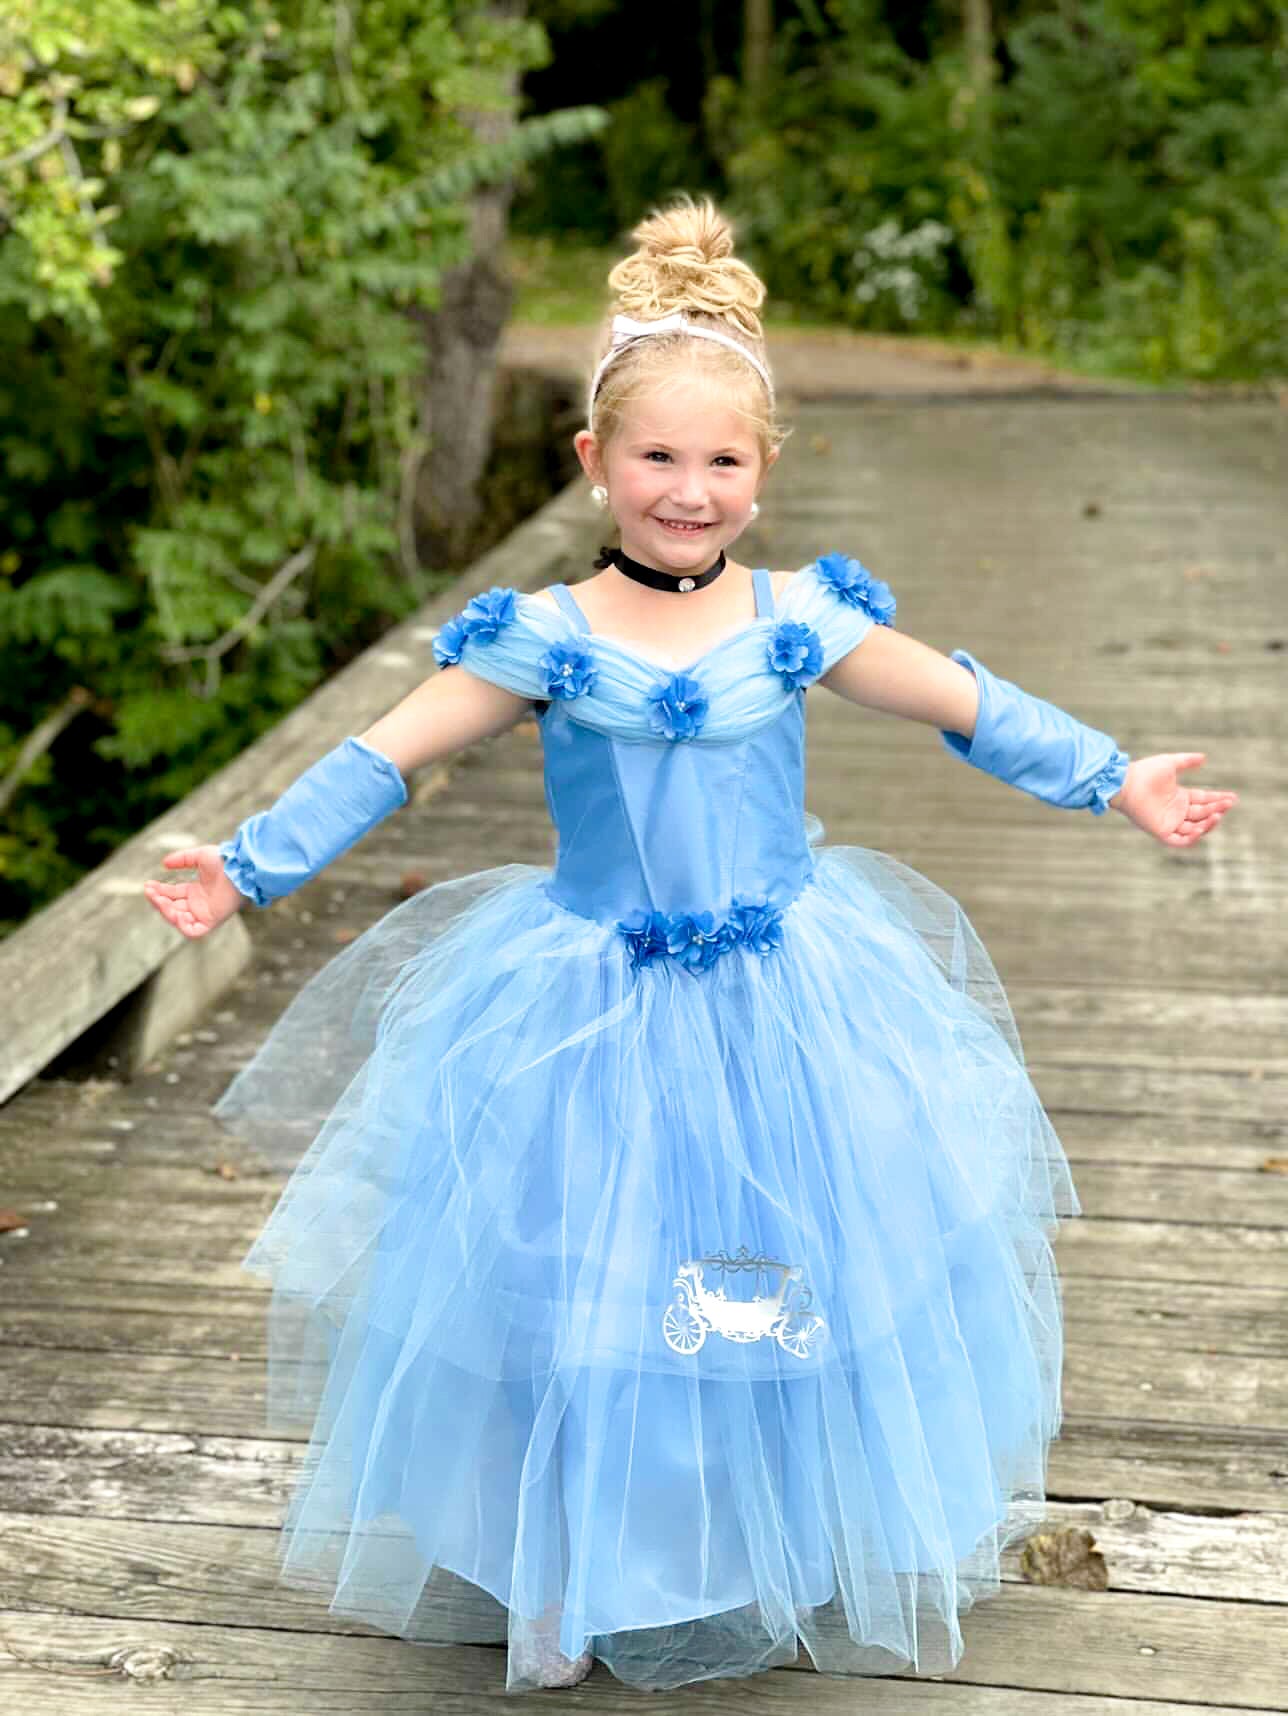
654, 579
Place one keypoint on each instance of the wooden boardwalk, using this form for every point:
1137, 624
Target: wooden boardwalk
1125, 559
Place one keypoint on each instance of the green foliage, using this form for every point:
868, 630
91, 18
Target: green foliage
575, 203
1145, 168
221, 221
648, 153
65, 603
1119, 202
506, 158
1125, 206
557, 282
859, 141
31, 861
79, 77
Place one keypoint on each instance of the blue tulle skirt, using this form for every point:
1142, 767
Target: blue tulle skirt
695, 1317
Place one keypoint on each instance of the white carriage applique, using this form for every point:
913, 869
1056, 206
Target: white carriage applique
778, 1309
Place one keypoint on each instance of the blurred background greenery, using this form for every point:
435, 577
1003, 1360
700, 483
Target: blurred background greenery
1105, 181
256, 257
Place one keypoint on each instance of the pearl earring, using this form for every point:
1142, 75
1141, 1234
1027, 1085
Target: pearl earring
599, 494
755, 509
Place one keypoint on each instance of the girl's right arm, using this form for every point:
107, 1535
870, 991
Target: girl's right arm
334, 803
453, 708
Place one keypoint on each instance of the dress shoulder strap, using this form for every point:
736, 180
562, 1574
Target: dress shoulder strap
568, 602
763, 586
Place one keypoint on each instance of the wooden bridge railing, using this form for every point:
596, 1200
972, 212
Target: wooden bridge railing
101, 942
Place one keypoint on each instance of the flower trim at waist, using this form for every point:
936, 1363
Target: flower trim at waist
695, 940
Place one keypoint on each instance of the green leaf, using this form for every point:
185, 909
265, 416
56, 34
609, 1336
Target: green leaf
80, 599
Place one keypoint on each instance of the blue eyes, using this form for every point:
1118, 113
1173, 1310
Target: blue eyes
657, 452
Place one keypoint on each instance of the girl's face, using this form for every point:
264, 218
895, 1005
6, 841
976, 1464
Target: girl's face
681, 474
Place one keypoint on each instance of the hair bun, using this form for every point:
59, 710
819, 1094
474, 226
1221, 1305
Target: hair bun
685, 261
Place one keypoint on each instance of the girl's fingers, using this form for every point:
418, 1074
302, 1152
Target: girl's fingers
1189, 833
171, 890
171, 899
180, 860
1207, 804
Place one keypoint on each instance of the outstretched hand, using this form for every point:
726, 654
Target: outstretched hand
1153, 797
197, 907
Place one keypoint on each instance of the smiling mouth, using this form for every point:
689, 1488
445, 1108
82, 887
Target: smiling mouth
679, 527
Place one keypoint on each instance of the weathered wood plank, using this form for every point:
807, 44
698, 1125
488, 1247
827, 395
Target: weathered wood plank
1183, 1316
1120, 1644
1172, 1251
1170, 1466
146, 1481
1159, 1252
1167, 1467
1160, 1089
104, 1193
66, 1311
1236, 1027
1208, 1194
1188, 1141
1255, 1093
1151, 1251
1177, 1387
178, 1391
77, 1134
75, 1666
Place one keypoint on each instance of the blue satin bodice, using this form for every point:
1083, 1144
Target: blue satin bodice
646, 824
676, 794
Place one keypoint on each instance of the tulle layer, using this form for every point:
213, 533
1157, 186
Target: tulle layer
698, 1315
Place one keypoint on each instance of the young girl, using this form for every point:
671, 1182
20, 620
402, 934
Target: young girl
668, 1277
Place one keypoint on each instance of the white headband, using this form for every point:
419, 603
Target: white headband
626, 328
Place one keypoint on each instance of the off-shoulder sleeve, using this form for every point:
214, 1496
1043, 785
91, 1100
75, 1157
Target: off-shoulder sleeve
840, 601
498, 636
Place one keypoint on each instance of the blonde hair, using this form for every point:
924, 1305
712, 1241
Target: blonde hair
685, 262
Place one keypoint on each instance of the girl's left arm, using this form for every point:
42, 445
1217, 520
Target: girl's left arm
1034, 745
900, 675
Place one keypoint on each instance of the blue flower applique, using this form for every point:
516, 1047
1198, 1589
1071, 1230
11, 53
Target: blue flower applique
854, 584
447, 645
756, 924
677, 708
570, 671
481, 618
796, 652
695, 940
645, 936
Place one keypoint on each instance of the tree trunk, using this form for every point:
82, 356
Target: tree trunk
757, 44
978, 20
462, 338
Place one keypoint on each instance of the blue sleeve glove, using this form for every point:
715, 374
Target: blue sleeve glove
318, 817
1037, 747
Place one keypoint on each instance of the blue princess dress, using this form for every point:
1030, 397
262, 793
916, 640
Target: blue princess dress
668, 1262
